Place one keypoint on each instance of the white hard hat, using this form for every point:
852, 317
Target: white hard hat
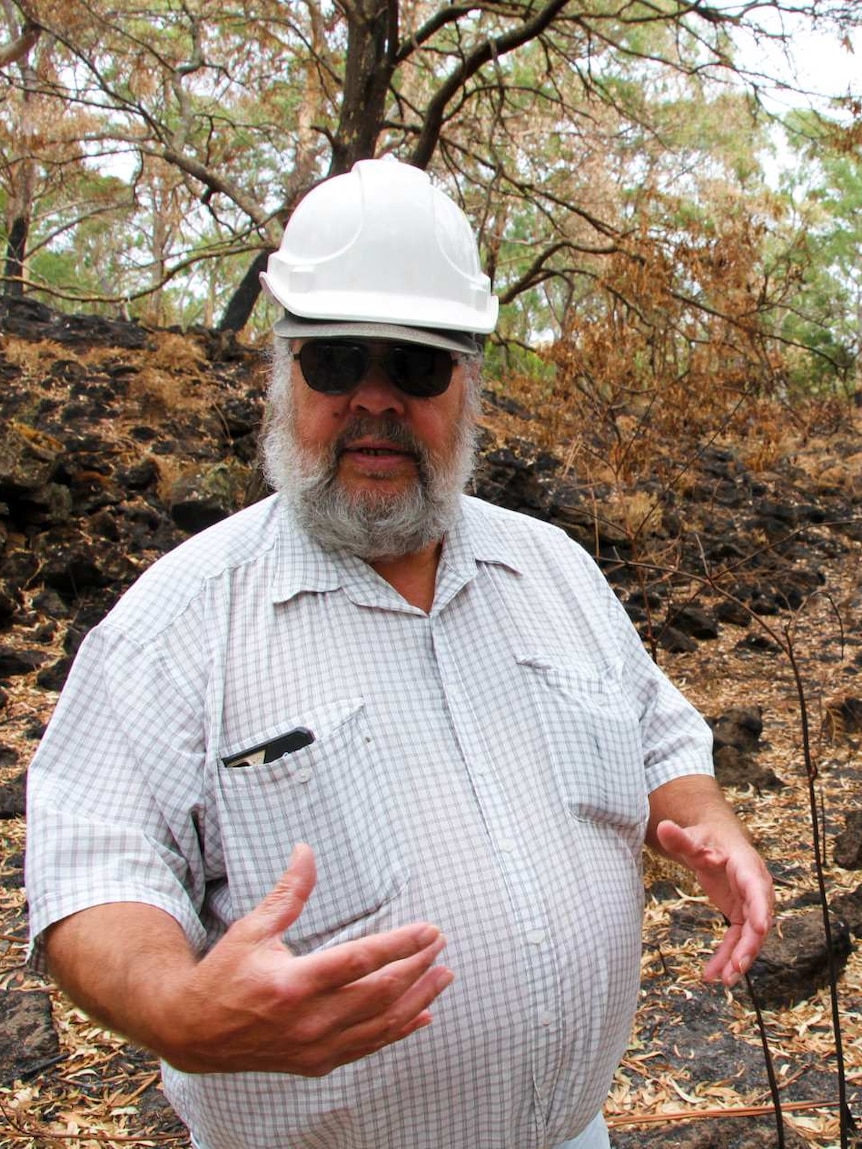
381, 245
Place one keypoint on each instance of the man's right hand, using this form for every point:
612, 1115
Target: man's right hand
249, 1004
252, 1004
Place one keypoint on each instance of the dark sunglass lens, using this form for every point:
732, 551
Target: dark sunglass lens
419, 371
333, 367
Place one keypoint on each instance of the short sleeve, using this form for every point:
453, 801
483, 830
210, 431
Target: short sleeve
676, 739
113, 790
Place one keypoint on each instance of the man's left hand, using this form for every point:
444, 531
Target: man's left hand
735, 879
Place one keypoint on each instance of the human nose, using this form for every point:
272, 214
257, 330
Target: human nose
376, 394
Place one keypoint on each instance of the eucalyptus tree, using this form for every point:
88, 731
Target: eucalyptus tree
53, 196
545, 116
19, 164
822, 191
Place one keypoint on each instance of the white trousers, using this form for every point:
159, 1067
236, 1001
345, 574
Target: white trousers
595, 1136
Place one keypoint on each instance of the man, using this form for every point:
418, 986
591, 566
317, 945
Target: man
361, 720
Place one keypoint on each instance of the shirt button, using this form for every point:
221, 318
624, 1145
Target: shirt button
507, 845
535, 937
302, 775
546, 1018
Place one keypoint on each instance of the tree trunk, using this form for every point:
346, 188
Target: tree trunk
241, 303
371, 41
16, 249
372, 32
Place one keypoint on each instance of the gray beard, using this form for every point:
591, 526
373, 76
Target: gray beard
362, 523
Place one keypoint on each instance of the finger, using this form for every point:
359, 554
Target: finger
417, 1000
352, 961
735, 956
748, 947
352, 1023
286, 900
671, 836
757, 893
408, 1014
397, 992
720, 967
678, 844
371, 1045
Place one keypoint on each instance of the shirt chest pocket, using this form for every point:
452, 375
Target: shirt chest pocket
331, 794
591, 732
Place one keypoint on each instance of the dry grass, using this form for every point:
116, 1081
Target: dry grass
35, 359
716, 678
178, 353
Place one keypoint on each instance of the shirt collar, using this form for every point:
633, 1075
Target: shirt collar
479, 536
303, 565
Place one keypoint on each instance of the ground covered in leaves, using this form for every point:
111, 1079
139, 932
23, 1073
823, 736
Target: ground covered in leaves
167, 407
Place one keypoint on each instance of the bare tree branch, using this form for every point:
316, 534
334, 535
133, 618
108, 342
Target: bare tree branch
19, 49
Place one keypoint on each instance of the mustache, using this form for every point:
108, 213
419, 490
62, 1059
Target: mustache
384, 427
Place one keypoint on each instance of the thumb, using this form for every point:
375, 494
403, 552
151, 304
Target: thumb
676, 842
286, 900
691, 847
670, 835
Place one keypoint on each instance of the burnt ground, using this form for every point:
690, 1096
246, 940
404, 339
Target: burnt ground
741, 569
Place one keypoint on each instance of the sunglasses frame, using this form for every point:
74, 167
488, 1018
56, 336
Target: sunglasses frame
369, 360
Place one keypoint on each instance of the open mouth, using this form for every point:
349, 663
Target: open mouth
378, 450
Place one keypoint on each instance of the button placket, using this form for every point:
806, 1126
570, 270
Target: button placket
522, 884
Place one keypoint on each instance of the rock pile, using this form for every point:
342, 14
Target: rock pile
116, 442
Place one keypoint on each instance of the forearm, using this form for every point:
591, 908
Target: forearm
122, 963
249, 1003
693, 799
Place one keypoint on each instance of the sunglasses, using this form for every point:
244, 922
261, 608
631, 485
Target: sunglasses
336, 366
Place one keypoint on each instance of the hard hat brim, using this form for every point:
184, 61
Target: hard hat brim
296, 327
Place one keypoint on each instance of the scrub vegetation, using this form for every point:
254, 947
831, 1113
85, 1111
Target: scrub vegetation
613, 158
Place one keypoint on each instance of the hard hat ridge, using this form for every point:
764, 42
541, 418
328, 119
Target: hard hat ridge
381, 244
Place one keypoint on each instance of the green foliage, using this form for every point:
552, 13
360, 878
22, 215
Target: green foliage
823, 192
